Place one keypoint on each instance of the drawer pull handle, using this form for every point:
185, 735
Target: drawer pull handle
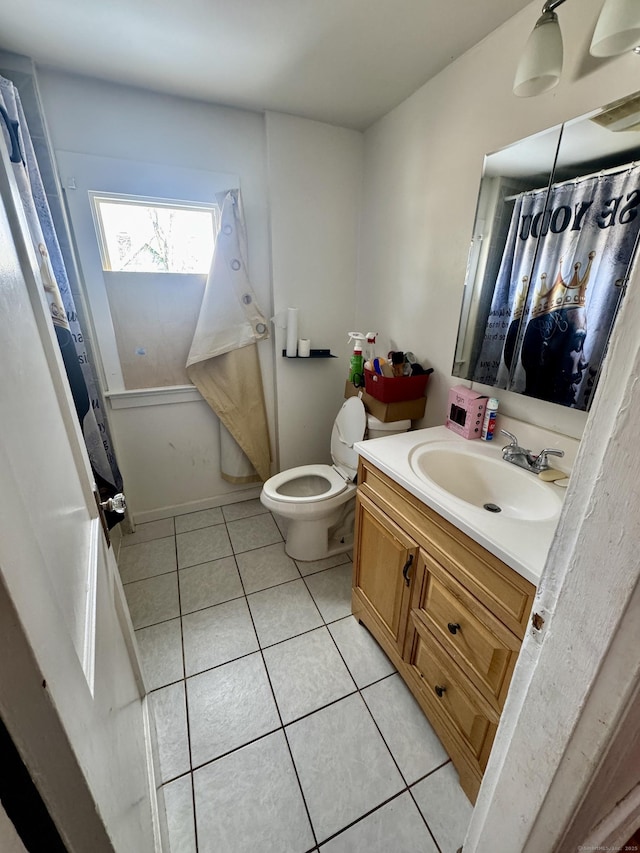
453, 627
405, 571
440, 690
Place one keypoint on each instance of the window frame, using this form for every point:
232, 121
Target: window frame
97, 196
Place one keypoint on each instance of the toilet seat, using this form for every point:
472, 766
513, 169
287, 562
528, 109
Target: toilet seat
332, 480
336, 483
317, 502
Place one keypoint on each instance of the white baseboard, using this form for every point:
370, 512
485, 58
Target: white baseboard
195, 506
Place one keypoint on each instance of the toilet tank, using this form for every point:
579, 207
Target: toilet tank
378, 429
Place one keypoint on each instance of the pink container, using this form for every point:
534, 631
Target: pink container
465, 411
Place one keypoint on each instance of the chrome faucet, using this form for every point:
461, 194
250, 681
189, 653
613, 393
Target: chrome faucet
525, 458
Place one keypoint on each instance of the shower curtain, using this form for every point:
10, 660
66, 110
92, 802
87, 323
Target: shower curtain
223, 361
69, 334
559, 286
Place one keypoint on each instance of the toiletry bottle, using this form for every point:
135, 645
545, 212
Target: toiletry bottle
356, 371
370, 351
490, 414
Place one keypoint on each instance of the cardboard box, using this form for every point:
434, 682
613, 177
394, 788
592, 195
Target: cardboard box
411, 410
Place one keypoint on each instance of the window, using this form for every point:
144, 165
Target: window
154, 235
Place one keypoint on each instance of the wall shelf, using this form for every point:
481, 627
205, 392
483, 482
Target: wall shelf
315, 353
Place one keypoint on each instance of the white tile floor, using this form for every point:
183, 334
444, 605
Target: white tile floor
282, 726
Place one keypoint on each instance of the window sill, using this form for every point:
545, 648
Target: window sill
153, 396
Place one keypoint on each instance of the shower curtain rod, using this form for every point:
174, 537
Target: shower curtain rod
613, 170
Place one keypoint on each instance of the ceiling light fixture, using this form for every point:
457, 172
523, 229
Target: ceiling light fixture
540, 66
618, 28
541, 61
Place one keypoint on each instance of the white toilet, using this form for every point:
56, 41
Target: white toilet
318, 501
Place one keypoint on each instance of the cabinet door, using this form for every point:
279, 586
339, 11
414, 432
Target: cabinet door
384, 564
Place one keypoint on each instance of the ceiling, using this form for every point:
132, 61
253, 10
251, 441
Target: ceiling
345, 62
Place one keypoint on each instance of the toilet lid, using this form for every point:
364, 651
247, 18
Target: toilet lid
348, 427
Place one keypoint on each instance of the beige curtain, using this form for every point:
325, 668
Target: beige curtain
223, 361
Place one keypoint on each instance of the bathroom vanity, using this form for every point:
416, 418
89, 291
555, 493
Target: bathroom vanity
445, 586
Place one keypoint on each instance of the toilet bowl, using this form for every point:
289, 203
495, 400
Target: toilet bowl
318, 501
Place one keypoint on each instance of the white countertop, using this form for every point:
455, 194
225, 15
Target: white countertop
522, 544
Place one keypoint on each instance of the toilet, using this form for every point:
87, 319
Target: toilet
318, 501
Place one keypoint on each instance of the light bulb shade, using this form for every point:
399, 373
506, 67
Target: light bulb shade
618, 28
540, 65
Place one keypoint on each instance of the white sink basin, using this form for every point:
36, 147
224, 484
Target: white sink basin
479, 478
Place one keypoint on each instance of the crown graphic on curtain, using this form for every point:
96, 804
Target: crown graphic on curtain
562, 294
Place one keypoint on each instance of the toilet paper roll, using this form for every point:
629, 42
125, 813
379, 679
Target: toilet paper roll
304, 347
292, 332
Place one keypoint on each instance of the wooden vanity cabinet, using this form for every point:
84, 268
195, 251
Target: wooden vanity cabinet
449, 614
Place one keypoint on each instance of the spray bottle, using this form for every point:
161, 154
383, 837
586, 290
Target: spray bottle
370, 351
356, 368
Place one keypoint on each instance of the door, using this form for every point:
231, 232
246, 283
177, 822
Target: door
71, 695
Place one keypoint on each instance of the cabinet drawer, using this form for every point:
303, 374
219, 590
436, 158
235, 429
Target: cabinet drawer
483, 648
459, 707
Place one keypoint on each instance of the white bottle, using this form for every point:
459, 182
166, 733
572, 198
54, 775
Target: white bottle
370, 349
490, 414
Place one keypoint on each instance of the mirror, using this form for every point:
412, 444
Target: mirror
555, 232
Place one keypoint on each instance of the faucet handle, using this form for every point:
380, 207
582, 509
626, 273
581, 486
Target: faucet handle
510, 435
541, 459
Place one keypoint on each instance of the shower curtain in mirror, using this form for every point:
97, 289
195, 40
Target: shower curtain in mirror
556, 297
59, 297
223, 361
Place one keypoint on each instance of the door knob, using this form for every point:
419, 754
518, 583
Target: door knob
117, 503
440, 690
453, 627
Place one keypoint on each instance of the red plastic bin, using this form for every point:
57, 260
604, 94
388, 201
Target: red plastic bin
395, 389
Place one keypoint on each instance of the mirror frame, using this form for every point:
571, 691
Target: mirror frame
571, 150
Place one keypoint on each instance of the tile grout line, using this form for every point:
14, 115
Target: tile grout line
365, 816
270, 646
275, 702
402, 776
186, 700
358, 690
238, 597
261, 648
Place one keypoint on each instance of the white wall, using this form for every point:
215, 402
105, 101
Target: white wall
423, 163
308, 184
163, 465
315, 174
